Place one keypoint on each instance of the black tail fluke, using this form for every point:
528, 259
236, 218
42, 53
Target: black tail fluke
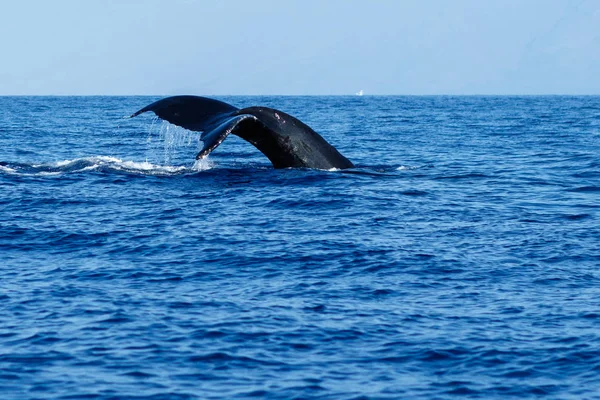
286, 141
190, 112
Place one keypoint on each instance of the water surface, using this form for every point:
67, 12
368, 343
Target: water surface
460, 258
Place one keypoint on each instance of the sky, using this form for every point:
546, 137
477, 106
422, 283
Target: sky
299, 47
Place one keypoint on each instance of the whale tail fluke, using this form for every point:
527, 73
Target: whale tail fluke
285, 140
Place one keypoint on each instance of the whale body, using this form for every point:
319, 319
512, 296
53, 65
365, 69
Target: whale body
286, 141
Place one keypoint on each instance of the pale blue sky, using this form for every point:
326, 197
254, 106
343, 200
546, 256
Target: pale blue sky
300, 47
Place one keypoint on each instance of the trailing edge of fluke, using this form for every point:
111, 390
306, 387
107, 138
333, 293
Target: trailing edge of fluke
286, 141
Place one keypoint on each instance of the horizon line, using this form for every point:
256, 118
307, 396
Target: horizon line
313, 95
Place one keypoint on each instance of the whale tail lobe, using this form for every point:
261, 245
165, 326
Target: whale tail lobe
190, 112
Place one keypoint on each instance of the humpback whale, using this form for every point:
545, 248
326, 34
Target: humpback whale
285, 140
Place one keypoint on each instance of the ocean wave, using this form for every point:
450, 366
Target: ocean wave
105, 164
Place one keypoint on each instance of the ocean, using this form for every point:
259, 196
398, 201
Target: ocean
459, 259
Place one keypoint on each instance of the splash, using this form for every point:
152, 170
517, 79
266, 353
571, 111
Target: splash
169, 151
168, 144
202, 165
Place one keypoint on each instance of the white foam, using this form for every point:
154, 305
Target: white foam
143, 167
147, 167
202, 165
90, 168
406, 168
96, 162
45, 173
7, 169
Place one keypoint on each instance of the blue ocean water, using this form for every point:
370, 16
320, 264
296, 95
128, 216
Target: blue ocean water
461, 258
